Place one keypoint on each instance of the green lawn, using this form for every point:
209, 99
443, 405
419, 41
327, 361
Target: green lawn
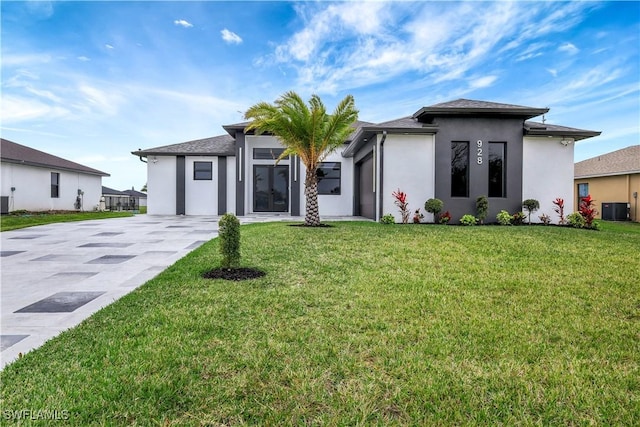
363, 324
29, 219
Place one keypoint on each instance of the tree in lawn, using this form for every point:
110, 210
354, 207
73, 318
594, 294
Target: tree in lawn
306, 131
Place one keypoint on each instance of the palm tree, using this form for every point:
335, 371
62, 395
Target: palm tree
306, 131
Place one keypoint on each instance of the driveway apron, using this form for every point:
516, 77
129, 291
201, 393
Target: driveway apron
54, 276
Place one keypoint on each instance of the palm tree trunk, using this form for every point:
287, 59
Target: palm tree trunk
312, 214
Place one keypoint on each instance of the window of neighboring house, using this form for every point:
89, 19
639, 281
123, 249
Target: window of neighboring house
55, 185
583, 191
202, 171
459, 169
497, 170
328, 174
267, 153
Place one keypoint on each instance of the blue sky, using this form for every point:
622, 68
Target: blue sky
93, 81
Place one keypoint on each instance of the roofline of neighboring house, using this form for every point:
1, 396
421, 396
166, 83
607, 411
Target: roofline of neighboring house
357, 141
54, 167
600, 175
147, 153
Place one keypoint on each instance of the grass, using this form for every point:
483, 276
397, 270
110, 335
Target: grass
363, 324
18, 220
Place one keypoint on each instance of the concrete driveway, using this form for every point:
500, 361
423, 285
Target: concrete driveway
54, 276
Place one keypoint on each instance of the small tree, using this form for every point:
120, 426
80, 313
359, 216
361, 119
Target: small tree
482, 208
434, 206
531, 205
229, 235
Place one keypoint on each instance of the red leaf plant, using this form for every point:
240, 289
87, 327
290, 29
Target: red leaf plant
559, 209
401, 203
588, 210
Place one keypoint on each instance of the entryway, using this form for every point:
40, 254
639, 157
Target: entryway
270, 188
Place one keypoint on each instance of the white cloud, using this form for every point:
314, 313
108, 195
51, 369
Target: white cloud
553, 72
16, 109
183, 23
482, 82
569, 48
230, 37
83, 58
108, 46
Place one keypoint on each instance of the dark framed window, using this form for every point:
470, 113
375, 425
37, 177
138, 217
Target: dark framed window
267, 153
202, 171
55, 185
328, 174
460, 169
583, 191
497, 169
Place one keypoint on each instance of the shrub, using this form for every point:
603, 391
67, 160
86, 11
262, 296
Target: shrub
434, 206
388, 219
546, 219
417, 217
576, 220
588, 210
531, 205
518, 218
401, 203
468, 220
504, 218
482, 208
559, 209
445, 218
229, 235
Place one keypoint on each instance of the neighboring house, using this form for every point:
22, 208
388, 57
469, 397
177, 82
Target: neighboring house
613, 181
454, 151
116, 200
139, 198
37, 181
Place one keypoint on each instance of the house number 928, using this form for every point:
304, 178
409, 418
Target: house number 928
479, 144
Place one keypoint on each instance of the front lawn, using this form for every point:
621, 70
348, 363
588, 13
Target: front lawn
362, 324
17, 220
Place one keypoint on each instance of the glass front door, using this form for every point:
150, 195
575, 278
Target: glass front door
270, 188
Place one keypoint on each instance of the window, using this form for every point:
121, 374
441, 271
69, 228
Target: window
583, 191
267, 153
497, 170
328, 174
460, 169
202, 171
55, 185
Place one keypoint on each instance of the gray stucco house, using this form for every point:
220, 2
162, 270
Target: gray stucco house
454, 151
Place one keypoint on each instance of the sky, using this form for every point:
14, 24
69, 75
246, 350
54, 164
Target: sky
93, 81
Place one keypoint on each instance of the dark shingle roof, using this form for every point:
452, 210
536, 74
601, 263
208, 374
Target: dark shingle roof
547, 129
112, 192
12, 152
473, 107
619, 162
222, 145
135, 193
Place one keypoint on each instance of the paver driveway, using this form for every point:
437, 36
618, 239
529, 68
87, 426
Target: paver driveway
54, 276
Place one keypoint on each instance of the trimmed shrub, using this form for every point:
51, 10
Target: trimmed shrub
229, 235
434, 206
531, 205
468, 220
482, 208
518, 218
388, 219
503, 218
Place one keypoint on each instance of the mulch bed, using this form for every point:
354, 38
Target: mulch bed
235, 274
322, 225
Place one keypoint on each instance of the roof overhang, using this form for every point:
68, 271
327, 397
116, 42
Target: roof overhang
53, 167
426, 113
576, 134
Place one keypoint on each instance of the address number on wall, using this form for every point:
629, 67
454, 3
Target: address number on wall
479, 151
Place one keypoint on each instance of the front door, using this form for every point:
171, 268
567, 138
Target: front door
270, 188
